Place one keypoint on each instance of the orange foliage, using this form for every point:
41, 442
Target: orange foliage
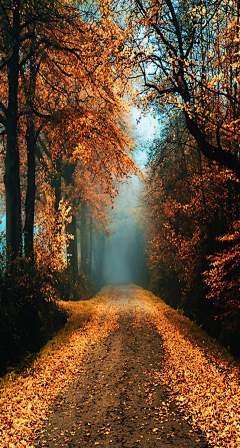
188, 205
50, 237
223, 280
187, 58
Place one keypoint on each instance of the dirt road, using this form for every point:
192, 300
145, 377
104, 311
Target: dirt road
114, 400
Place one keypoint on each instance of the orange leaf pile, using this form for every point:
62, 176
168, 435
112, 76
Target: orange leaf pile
209, 392
26, 402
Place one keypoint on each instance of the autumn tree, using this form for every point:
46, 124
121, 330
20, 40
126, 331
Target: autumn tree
222, 282
189, 206
84, 150
187, 58
51, 63
18, 25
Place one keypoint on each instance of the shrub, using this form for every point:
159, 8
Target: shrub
29, 314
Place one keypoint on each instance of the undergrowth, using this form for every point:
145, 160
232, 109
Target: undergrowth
78, 314
30, 311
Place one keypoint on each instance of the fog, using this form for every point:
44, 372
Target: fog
123, 259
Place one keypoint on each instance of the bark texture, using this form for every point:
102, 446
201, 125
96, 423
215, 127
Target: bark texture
12, 176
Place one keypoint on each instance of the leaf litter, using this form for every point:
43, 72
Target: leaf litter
25, 402
207, 391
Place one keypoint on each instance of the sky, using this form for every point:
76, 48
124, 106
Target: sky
146, 129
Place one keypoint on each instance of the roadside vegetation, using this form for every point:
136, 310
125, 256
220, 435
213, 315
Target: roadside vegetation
191, 222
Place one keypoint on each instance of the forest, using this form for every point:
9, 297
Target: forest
70, 74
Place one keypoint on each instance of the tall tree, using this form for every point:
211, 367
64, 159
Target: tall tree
61, 62
84, 239
188, 205
187, 55
18, 20
11, 38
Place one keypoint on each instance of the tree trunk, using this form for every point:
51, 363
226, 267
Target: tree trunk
56, 182
12, 176
31, 139
90, 245
72, 247
30, 196
222, 156
100, 252
83, 230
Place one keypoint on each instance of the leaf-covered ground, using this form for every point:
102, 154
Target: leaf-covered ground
127, 372
115, 399
26, 399
204, 379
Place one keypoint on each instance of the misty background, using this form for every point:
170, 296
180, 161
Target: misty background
120, 257
124, 260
